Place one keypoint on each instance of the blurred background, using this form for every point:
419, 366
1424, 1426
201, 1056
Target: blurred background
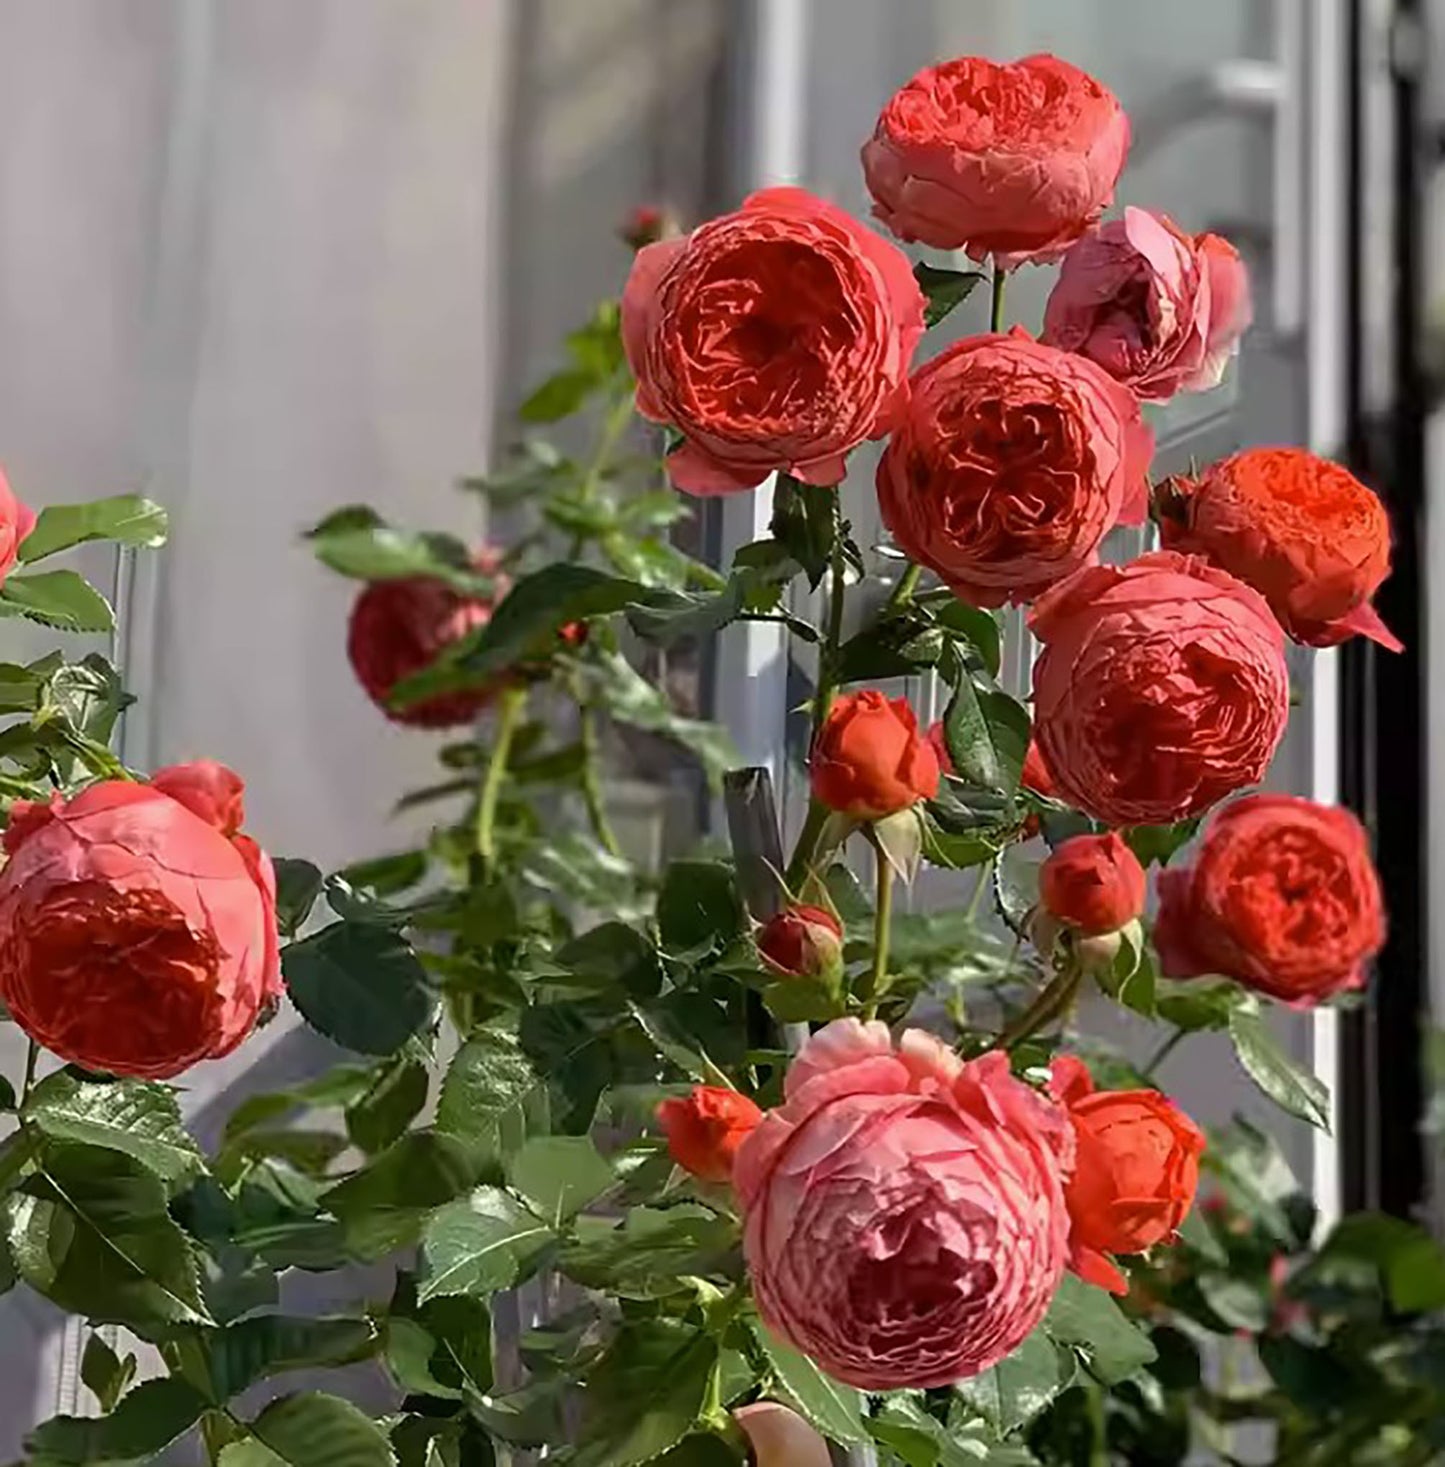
259, 258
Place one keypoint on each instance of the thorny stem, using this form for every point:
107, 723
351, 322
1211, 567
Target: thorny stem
1000, 284
509, 715
882, 924
1053, 1001
902, 593
591, 781
32, 1057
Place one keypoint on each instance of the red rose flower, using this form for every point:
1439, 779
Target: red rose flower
1161, 688
705, 1129
802, 942
1011, 464
1135, 1173
1094, 883
137, 927
1015, 161
775, 337
1160, 311
1282, 897
16, 522
869, 761
1304, 532
401, 627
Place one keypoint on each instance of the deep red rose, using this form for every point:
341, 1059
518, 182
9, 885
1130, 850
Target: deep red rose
1282, 897
1161, 688
1010, 160
1011, 464
401, 627
16, 522
137, 925
802, 942
869, 761
1304, 532
705, 1129
1135, 1173
775, 337
1094, 883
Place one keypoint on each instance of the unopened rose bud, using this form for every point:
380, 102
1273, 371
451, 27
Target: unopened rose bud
1094, 883
705, 1129
647, 224
803, 942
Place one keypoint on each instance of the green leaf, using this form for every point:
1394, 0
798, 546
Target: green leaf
1196, 1234
104, 1373
1238, 1302
613, 955
1016, 887
487, 1242
266, 1345
894, 646
383, 1111
1160, 842
1021, 1385
525, 622
1088, 1319
632, 700
298, 884
1409, 1259
1197, 1003
384, 1206
645, 1394
944, 289
138, 1117
699, 907
88, 694
559, 396
315, 1430
559, 1175
1288, 1084
647, 1256
59, 599
381, 552
703, 1451
145, 1423
90, 1231
443, 1348
492, 1099
806, 524
360, 984
979, 628
127, 519
837, 1410
987, 733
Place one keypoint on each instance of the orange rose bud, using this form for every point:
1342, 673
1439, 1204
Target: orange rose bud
869, 760
1094, 883
705, 1129
1304, 532
1136, 1171
803, 942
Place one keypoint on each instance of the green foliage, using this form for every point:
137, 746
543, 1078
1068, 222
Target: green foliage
945, 289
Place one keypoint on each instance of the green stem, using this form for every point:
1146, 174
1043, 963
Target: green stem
32, 1057
903, 591
882, 926
509, 715
807, 847
591, 780
614, 425
1000, 284
1049, 1005
1162, 1053
985, 876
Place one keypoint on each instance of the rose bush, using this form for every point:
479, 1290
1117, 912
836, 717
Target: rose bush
777, 337
1282, 896
1014, 161
1162, 688
1013, 461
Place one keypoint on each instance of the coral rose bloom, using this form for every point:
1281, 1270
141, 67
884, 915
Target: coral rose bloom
16, 522
705, 1129
1094, 883
1015, 161
1304, 532
1135, 1175
905, 1222
1282, 897
869, 761
1159, 310
776, 337
401, 627
1012, 463
137, 926
1161, 688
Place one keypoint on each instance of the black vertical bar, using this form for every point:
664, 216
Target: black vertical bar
1383, 694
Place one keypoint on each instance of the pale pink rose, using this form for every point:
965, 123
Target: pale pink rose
905, 1220
774, 337
1014, 160
780, 1437
1159, 310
